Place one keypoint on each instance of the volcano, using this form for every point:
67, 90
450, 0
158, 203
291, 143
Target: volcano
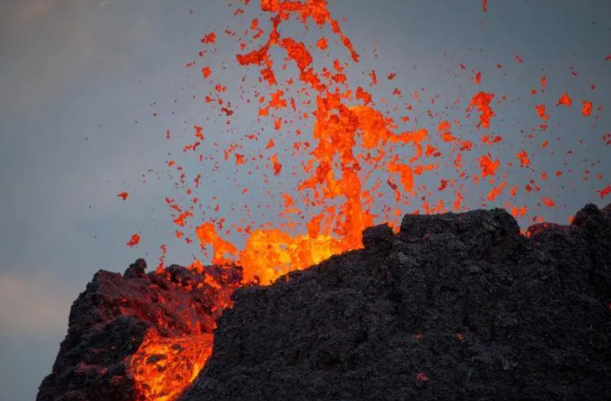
305, 297
452, 307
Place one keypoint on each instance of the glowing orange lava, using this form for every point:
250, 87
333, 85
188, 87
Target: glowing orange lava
356, 153
163, 367
134, 240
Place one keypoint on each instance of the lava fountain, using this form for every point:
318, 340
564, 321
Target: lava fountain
361, 149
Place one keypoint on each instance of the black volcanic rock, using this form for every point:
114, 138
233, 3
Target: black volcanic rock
454, 307
110, 319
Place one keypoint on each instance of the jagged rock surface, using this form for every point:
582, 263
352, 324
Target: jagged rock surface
454, 307
109, 320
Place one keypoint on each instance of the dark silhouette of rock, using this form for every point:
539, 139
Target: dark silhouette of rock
111, 318
453, 307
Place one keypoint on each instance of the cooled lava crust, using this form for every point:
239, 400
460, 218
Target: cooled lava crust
453, 307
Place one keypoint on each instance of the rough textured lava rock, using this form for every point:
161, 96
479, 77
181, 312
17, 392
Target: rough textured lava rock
117, 314
454, 307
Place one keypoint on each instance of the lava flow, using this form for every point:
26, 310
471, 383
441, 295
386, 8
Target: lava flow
362, 148
162, 367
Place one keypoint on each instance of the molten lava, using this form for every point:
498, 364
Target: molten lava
163, 367
358, 152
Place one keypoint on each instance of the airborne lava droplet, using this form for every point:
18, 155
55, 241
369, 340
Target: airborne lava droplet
586, 110
565, 100
548, 202
209, 38
322, 44
523, 157
488, 166
482, 101
134, 240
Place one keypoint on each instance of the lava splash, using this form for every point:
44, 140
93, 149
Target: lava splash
335, 157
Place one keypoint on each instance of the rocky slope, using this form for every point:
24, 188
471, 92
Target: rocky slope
125, 328
454, 307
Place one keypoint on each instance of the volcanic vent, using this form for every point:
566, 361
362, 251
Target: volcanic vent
454, 306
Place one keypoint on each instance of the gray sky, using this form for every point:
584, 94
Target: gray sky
81, 79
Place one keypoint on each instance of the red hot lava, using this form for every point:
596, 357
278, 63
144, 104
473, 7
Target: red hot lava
357, 154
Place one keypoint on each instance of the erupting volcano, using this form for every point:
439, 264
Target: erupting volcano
337, 150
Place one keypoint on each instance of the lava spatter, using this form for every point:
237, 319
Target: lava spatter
357, 155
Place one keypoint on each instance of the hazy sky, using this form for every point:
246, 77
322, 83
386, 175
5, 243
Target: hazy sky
81, 79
